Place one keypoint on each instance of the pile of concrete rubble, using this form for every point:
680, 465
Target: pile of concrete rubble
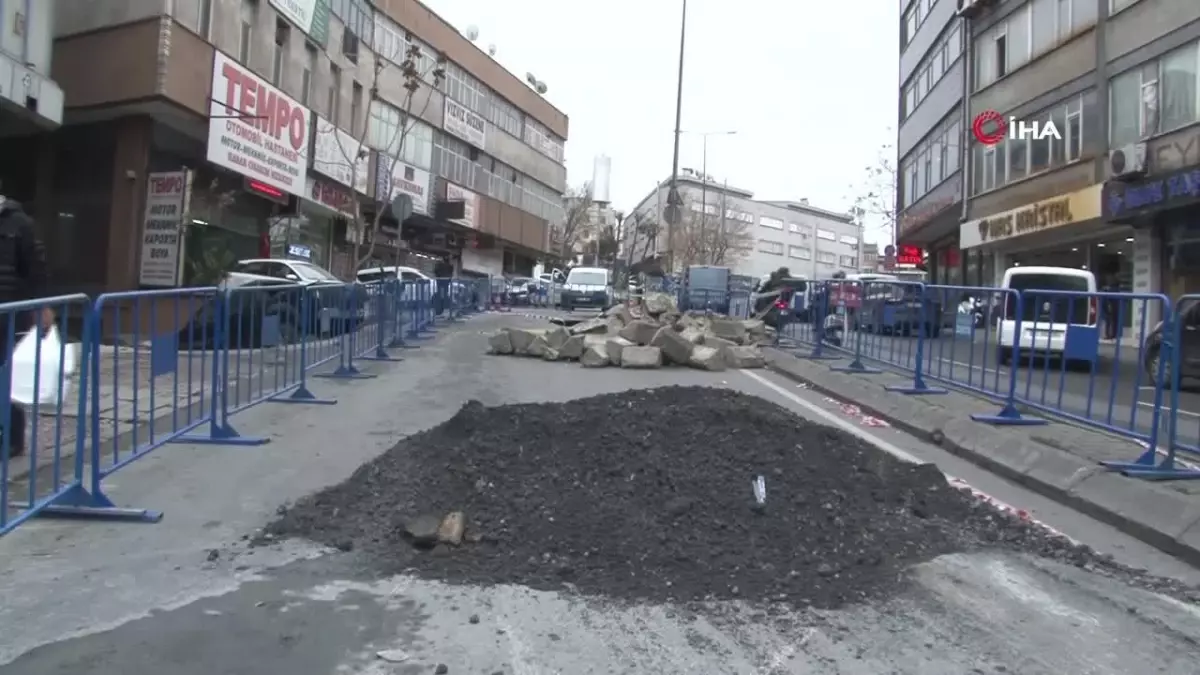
649, 336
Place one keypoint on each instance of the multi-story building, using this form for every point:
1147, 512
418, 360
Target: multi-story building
1113, 188
929, 134
760, 236
30, 101
246, 116
870, 258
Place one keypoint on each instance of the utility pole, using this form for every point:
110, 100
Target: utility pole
673, 193
703, 198
724, 197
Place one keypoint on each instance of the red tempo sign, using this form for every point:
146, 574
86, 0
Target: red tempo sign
907, 254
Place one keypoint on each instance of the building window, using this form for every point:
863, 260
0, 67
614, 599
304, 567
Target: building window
773, 223
848, 261
204, 22
848, 240
799, 253
1014, 159
335, 93
246, 37
1178, 105
931, 70
826, 235
827, 257
282, 33
465, 89
1115, 6
356, 111
505, 116
797, 228
306, 76
541, 139
772, 247
412, 144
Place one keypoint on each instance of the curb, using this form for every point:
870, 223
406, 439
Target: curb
1162, 518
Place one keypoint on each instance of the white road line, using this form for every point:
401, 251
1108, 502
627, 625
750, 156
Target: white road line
830, 418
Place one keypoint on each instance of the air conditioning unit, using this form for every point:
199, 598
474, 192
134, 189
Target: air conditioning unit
969, 9
1128, 161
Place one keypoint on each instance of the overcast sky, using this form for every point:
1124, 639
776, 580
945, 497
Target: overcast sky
809, 87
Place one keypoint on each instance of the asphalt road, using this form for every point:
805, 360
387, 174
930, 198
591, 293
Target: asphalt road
1117, 395
186, 597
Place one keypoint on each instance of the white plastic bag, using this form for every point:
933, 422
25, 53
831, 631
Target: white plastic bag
34, 380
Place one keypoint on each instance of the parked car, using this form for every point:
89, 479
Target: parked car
415, 277
1156, 351
520, 290
335, 309
250, 300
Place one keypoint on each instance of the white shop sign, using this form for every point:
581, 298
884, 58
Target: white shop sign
461, 122
469, 199
339, 156
257, 130
162, 228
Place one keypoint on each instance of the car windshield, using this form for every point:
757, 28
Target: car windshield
1054, 307
310, 272
589, 278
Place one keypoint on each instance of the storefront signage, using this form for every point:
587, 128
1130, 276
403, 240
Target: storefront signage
465, 124
257, 130
910, 255
311, 16
469, 199
331, 196
1172, 190
298, 251
162, 228
393, 177
339, 156
1075, 207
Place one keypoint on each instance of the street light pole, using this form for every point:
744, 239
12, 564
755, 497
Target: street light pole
673, 193
703, 198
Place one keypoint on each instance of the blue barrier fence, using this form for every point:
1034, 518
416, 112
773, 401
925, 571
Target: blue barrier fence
184, 363
1091, 358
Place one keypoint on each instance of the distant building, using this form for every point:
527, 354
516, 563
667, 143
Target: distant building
761, 235
871, 261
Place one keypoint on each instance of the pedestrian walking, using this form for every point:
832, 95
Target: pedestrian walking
1109, 304
23, 276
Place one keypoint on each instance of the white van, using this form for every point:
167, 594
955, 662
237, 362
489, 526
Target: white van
1053, 324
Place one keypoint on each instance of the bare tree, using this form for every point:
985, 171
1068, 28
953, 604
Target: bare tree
577, 219
709, 239
417, 69
875, 199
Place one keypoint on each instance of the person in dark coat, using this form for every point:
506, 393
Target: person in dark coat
443, 270
23, 276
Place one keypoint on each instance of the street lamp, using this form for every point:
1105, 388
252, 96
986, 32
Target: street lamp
672, 215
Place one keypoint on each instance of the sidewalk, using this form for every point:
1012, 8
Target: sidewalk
1058, 460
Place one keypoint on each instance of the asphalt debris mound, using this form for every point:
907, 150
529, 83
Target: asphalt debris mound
648, 495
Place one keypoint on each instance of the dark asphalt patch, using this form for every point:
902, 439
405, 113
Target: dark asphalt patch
647, 495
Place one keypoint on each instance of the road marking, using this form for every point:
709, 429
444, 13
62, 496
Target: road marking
830, 418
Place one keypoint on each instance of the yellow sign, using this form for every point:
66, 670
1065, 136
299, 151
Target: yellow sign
1076, 207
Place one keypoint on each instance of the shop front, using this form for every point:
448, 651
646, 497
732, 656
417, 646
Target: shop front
931, 224
482, 255
412, 242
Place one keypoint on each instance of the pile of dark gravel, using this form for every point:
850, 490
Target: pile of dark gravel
648, 495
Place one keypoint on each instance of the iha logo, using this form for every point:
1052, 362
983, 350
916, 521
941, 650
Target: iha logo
990, 128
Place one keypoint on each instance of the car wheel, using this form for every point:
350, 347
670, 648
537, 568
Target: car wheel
1154, 357
1003, 355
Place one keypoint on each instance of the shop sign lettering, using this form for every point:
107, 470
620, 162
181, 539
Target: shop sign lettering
1036, 217
465, 124
162, 228
332, 195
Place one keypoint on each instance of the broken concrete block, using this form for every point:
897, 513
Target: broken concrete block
673, 346
691, 334
594, 356
551, 354
597, 325
621, 313
641, 357
594, 339
614, 325
572, 348
708, 358
640, 332
450, 530
616, 348
423, 530
538, 347
711, 340
556, 337
500, 343
523, 337
728, 329
746, 356
659, 303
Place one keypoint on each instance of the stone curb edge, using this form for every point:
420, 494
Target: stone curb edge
1091, 490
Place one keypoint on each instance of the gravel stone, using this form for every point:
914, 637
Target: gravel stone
647, 495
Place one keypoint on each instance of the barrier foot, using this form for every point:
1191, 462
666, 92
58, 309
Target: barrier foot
380, 355
79, 503
346, 373
415, 335
399, 343
917, 388
222, 434
1162, 473
855, 366
821, 357
302, 395
1008, 416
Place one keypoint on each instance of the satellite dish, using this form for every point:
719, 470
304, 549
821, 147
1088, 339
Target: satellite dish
491, 50
540, 87
472, 33
530, 79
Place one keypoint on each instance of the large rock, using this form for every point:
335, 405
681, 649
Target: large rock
744, 356
523, 337
756, 331
640, 332
711, 340
616, 348
500, 343
597, 325
572, 349
691, 334
728, 329
551, 354
594, 339
622, 314
641, 357
708, 358
557, 337
594, 356
659, 303
538, 347
674, 347
423, 530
